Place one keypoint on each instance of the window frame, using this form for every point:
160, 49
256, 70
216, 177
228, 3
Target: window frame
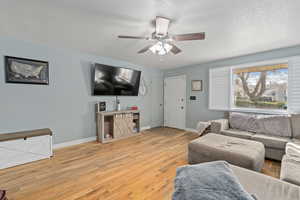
256, 110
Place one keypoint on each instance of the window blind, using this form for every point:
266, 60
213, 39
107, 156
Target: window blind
219, 88
294, 85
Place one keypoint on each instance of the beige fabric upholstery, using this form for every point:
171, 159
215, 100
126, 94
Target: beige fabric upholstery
290, 170
272, 141
278, 125
202, 127
266, 187
297, 141
274, 154
212, 147
243, 121
237, 133
218, 125
295, 119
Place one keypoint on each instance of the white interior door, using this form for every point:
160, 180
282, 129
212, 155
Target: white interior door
157, 97
175, 101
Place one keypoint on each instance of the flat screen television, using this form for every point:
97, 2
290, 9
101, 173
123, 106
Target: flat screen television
115, 81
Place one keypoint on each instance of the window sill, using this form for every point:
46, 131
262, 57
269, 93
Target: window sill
258, 111
261, 111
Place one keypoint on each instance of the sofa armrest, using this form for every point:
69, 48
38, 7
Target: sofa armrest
296, 141
218, 125
290, 170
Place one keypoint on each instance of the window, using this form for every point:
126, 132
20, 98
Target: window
260, 87
271, 87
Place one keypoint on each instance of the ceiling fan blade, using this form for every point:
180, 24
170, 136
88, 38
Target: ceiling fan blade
162, 26
190, 36
175, 50
132, 37
145, 49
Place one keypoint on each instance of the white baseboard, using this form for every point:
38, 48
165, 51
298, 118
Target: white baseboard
145, 128
191, 130
84, 140
74, 142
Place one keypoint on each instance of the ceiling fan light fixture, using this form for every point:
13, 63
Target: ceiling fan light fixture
162, 26
161, 48
164, 42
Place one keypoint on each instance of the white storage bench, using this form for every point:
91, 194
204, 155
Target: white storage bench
23, 147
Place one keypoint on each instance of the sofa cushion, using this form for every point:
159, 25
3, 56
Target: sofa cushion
271, 141
243, 121
295, 122
217, 126
237, 133
274, 125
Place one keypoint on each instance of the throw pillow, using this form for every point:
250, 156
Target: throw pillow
243, 121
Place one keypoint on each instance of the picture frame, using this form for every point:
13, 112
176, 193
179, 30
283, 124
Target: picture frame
26, 71
197, 85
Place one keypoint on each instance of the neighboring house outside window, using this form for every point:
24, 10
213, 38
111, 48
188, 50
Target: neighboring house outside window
260, 87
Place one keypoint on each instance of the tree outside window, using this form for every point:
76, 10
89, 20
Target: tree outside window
261, 87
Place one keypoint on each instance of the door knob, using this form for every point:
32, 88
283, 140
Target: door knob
182, 107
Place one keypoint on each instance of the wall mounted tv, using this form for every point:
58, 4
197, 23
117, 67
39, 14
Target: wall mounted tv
115, 81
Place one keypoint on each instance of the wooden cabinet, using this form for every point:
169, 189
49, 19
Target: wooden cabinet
116, 125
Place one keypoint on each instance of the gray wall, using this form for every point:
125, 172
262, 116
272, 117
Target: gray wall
66, 105
198, 110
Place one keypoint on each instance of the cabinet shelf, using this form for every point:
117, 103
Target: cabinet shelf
115, 125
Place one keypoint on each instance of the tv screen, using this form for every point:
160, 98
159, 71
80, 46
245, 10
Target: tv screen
116, 81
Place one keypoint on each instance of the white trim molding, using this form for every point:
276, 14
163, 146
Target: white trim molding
262, 63
191, 130
85, 140
145, 128
74, 142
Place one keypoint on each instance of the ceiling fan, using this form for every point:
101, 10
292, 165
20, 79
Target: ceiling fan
164, 43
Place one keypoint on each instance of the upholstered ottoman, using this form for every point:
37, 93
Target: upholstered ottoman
241, 152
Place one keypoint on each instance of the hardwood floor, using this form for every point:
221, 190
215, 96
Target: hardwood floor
141, 167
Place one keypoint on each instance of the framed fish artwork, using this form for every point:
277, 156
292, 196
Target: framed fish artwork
26, 71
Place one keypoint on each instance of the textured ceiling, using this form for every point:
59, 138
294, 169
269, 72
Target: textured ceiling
233, 27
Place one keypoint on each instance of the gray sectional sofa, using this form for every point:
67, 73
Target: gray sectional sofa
274, 131
266, 187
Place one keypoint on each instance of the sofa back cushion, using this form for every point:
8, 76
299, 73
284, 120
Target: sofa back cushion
274, 125
243, 121
295, 121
